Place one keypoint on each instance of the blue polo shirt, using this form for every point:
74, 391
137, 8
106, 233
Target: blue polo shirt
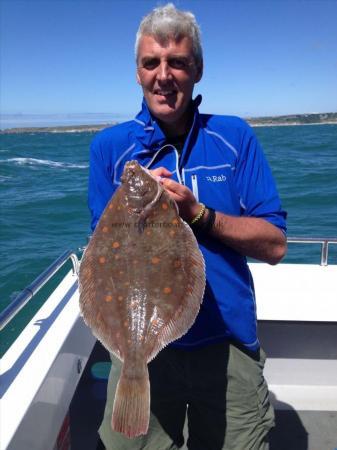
224, 165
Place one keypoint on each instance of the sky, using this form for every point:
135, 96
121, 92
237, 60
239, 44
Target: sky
77, 57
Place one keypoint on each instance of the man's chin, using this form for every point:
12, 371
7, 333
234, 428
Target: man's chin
169, 117
165, 113
166, 104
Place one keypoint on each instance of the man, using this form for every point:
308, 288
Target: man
215, 170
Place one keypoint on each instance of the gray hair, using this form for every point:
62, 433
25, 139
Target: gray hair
166, 22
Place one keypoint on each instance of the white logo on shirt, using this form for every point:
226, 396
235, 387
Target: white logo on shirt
216, 178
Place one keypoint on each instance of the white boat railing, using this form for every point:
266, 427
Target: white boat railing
28, 293
316, 240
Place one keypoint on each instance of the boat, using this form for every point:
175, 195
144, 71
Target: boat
54, 375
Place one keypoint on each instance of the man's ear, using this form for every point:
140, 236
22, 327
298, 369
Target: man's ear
199, 73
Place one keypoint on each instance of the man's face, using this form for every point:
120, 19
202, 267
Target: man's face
167, 74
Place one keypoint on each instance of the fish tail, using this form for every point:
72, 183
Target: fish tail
131, 410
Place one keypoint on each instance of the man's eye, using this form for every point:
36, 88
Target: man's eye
175, 63
150, 64
178, 63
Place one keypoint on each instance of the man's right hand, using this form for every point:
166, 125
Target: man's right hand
161, 172
188, 206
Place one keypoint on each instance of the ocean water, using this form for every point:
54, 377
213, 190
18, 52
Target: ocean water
43, 198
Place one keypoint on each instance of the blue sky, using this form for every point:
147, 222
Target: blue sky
261, 57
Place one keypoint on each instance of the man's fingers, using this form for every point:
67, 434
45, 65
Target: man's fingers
180, 192
173, 186
161, 172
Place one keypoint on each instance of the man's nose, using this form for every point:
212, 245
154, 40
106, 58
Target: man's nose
163, 72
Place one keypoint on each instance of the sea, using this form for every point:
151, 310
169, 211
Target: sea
43, 200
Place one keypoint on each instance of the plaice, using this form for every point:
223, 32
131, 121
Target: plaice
142, 279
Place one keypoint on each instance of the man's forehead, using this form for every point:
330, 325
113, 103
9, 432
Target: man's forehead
152, 43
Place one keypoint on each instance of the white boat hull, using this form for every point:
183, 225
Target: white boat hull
298, 330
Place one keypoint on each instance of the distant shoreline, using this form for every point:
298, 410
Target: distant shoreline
277, 121
294, 124
59, 129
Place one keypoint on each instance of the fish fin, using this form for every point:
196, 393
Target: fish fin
131, 410
185, 317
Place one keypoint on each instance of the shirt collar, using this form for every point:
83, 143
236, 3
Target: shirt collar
149, 132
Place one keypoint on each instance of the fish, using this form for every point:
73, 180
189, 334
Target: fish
141, 284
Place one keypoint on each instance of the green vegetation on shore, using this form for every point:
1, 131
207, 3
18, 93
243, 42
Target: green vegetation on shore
294, 119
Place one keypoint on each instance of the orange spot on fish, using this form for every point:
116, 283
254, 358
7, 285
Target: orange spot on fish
148, 233
121, 272
175, 221
125, 323
164, 206
105, 229
110, 206
177, 263
102, 260
120, 298
108, 298
167, 290
172, 233
129, 341
115, 244
154, 322
155, 260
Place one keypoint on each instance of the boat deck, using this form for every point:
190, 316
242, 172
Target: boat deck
47, 364
295, 430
